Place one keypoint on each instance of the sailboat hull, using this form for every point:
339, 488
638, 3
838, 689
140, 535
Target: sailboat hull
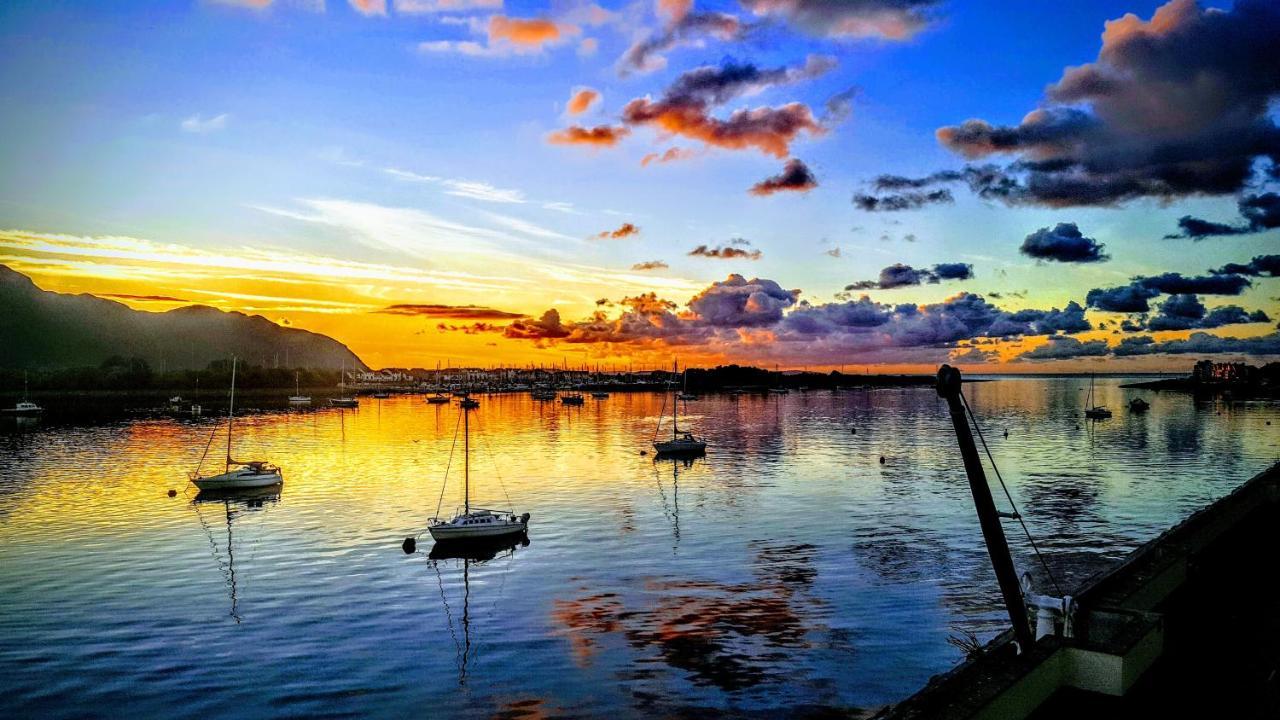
237, 479
680, 447
478, 527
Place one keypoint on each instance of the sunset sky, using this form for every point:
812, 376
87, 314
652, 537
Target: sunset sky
1041, 186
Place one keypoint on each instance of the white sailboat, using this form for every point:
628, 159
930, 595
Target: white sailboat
1094, 412
250, 474
342, 400
680, 443
25, 407
475, 524
297, 398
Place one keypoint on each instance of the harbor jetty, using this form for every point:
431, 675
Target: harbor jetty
1186, 625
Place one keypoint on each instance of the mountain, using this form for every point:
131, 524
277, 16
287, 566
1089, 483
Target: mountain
42, 329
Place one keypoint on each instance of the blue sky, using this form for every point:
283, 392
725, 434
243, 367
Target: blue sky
215, 126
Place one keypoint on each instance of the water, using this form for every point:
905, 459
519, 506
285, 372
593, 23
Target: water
787, 572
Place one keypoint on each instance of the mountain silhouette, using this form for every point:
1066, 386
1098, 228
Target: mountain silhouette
43, 329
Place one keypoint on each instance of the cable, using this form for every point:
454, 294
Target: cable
1005, 488
494, 459
448, 465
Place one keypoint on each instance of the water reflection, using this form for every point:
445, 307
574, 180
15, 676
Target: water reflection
234, 504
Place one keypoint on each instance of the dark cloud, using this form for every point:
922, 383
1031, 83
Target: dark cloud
1063, 243
1070, 319
472, 329
1061, 347
795, 177
900, 275
647, 55
1172, 283
685, 108
839, 107
144, 298
1187, 312
1199, 343
879, 19
726, 252
1259, 266
622, 231
738, 302
461, 312
902, 201
546, 327
1172, 107
650, 265
1260, 213
1125, 299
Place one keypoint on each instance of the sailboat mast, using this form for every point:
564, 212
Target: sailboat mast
231, 410
466, 460
675, 403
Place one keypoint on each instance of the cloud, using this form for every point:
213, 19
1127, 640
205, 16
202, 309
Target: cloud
1172, 107
674, 10
670, 155
599, 136
144, 298
902, 201
726, 252
1260, 212
582, 100
200, 125
878, 19
1172, 283
1186, 312
548, 326
737, 302
1199, 343
623, 231
1125, 299
463, 312
1064, 243
795, 177
532, 33
647, 55
1259, 266
369, 7
472, 189
900, 275
1061, 347
419, 7
650, 265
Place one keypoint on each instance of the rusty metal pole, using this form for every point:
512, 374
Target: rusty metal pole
992, 532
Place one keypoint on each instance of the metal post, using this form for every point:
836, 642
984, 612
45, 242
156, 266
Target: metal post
997, 547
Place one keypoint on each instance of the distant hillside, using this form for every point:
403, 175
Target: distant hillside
41, 329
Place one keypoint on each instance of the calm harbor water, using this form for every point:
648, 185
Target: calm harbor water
788, 572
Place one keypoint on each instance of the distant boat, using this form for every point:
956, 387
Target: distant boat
779, 391
1094, 412
1138, 405
599, 395
472, 524
438, 399
680, 443
251, 474
572, 399
298, 398
684, 391
469, 403
25, 408
342, 400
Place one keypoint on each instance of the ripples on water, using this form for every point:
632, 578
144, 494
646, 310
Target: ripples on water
787, 571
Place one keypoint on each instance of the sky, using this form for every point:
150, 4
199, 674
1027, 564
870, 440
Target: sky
885, 184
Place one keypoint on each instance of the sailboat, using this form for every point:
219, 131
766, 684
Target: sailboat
342, 400
297, 398
471, 524
680, 443
26, 407
251, 474
684, 391
1094, 412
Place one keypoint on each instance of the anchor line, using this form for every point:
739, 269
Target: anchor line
1025, 531
448, 465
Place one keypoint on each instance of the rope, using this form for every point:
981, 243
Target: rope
494, 459
207, 445
1025, 530
448, 465
661, 414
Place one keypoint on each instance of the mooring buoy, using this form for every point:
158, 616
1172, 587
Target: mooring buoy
644, 452
173, 493
410, 544
853, 431
881, 459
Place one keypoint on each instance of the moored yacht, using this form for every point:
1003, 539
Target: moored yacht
236, 474
473, 523
680, 443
